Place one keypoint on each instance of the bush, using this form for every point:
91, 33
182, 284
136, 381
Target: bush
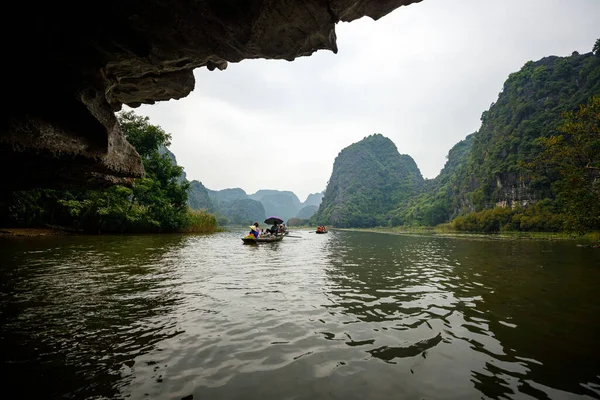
198, 221
539, 217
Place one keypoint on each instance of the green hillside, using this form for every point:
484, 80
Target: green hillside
369, 179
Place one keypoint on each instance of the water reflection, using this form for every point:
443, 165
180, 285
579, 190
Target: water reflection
344, 315
75, 316
388, 354
512, 314
539, 300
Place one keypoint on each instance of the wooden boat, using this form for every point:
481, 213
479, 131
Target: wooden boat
318, 231
250, 239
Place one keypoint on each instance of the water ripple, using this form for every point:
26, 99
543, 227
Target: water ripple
343, 315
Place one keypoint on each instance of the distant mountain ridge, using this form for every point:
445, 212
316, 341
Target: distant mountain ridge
227, 194
239, 207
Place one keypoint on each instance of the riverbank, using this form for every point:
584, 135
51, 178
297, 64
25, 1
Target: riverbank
34, 232
593, 237
59, 231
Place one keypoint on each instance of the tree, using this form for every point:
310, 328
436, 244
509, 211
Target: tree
596, 48
575, 155
160, 192
145, 137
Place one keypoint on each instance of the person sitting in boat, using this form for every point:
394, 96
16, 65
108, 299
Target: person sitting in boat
273, 230
254, 230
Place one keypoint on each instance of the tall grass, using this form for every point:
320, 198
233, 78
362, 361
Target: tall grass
199, 221
592, 236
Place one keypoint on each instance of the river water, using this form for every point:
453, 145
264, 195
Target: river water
346, 315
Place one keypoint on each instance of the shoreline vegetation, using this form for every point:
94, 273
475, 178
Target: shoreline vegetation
35, 232
197, 222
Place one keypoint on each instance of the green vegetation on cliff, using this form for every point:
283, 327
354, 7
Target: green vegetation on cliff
369, 179
533, 111
439, 200
573, 154
531, 106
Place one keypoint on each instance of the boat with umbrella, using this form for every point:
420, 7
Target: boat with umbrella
269, 237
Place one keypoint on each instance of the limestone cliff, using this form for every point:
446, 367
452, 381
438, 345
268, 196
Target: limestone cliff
489, 168
369, 179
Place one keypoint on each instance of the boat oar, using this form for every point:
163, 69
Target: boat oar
299, 237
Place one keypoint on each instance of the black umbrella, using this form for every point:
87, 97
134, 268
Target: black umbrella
273, 220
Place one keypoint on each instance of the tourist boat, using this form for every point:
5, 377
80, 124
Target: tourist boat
250, 239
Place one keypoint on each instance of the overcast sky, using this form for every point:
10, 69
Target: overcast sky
420, 76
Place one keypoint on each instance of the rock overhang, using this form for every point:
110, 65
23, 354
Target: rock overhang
71, 67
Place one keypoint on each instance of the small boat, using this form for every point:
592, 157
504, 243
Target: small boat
321, 230
250, 239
